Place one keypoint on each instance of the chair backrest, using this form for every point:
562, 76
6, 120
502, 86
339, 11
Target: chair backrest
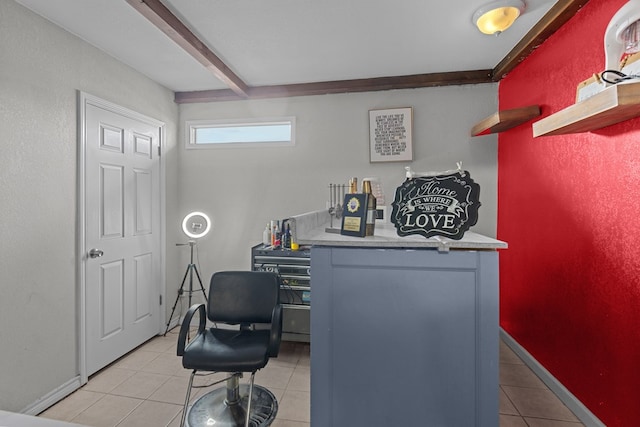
243, 296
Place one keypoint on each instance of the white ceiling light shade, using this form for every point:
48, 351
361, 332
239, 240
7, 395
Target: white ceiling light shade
196, 225
621, 35
497, 16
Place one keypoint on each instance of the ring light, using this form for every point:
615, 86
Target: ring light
196, 225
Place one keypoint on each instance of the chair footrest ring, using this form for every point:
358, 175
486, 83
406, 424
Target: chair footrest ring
213, 406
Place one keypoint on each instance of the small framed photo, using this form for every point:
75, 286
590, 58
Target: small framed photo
390, 135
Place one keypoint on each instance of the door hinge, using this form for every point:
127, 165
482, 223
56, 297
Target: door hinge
160, 299
159, 151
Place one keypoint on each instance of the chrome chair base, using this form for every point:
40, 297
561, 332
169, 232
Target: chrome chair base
214, 408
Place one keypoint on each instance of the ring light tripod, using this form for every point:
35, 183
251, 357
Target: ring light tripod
194, 225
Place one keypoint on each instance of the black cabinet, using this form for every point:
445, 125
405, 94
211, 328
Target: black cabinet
293, 267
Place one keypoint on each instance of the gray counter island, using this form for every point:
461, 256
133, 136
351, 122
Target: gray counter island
404, 330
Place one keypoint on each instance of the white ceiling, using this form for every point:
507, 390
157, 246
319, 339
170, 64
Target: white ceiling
278, 42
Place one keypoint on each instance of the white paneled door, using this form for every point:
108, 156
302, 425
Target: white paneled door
122, 231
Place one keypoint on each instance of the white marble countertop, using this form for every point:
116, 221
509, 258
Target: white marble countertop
310, 230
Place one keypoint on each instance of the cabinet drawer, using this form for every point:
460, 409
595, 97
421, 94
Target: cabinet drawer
293, 295
296, 319
299, 270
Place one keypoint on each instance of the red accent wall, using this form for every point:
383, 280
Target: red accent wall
569, 207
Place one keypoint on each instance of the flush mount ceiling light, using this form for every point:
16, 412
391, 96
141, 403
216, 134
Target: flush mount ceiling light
497, 16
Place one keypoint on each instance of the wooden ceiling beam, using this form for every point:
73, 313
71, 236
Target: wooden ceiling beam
168, 23
341, 86
555, 18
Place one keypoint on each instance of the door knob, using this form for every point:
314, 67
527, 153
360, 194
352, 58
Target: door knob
95, 253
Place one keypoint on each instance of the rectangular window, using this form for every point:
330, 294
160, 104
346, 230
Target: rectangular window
241, 133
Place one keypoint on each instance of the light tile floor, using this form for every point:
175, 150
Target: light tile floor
147, 388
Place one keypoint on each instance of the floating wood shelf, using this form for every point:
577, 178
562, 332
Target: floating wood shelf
504, 120
613, 105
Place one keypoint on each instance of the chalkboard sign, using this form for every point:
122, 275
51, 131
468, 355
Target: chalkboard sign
441, 205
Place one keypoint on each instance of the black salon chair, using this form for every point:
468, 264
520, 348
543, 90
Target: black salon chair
249, 301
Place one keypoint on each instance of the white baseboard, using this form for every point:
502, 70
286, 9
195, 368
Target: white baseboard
572, 402
53, 397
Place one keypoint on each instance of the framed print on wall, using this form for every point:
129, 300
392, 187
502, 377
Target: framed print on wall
390, 136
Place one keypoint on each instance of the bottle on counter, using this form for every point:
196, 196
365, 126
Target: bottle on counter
273, 233
370, 224
266, 236
286, 239
353, 185
276, 234
294, 244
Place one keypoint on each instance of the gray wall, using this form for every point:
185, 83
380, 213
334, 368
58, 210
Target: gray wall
41, 69
242, 189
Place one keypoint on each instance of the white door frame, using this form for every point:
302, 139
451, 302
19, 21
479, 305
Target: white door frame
85, 99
